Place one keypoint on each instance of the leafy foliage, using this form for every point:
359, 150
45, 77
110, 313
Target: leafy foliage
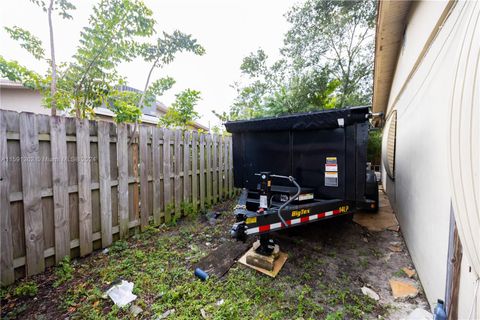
374, 147
182, 112
326, 63
62, 6
64, 272
109, 40
14, 71
338, 35
91, 79
27, 41
124, 105
162, 53
26, 289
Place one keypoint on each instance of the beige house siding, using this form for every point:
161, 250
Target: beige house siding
423, 86
22, 99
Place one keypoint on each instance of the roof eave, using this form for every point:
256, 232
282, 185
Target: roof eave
391, 21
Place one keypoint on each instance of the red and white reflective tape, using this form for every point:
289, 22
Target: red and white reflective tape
278, 225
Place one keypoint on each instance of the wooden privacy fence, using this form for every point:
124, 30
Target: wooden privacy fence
70, 186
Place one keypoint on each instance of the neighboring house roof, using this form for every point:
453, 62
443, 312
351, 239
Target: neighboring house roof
391, 22
151, 113
8, 84
154, 109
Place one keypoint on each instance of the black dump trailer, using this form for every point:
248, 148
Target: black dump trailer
300, 168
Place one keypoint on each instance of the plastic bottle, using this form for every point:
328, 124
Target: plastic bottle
202, 275
439, 312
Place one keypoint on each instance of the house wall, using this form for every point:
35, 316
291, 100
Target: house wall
420, 192
21, 99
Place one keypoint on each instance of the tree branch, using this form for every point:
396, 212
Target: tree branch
53, 84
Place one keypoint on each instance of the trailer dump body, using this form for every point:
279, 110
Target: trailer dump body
325, 153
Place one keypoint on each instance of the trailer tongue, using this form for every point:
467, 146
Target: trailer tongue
299, 169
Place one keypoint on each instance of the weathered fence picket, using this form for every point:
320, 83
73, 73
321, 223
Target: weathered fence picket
208, 147
6, 258
58, 144
84, 191
32, 200
69, 186
177, 179
195, 170
187, 187
122, 188
201, 147
143, 177
167, 189
157, 167
105, 187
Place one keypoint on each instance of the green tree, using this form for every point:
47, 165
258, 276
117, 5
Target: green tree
182, 112
374, 147
326, 63
159, 54
91, 79
338, 34
33, 45
277, 89
110, 38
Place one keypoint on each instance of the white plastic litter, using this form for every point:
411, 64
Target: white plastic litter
135, 310
420, 314
166, 314
369, 292
121, 294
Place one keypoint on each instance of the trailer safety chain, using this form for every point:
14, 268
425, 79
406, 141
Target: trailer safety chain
279, 212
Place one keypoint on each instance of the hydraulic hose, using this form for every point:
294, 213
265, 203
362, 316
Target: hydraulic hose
279, 212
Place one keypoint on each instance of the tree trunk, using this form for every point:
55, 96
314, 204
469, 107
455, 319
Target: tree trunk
142, 98
53, 84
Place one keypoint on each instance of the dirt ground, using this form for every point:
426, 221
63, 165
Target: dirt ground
328, 264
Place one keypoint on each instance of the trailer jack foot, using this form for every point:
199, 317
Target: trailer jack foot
266, 246
268, 264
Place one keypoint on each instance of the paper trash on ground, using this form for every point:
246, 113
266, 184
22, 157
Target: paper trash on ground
121, 294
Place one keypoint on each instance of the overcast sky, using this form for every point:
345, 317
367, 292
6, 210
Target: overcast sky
228, 30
